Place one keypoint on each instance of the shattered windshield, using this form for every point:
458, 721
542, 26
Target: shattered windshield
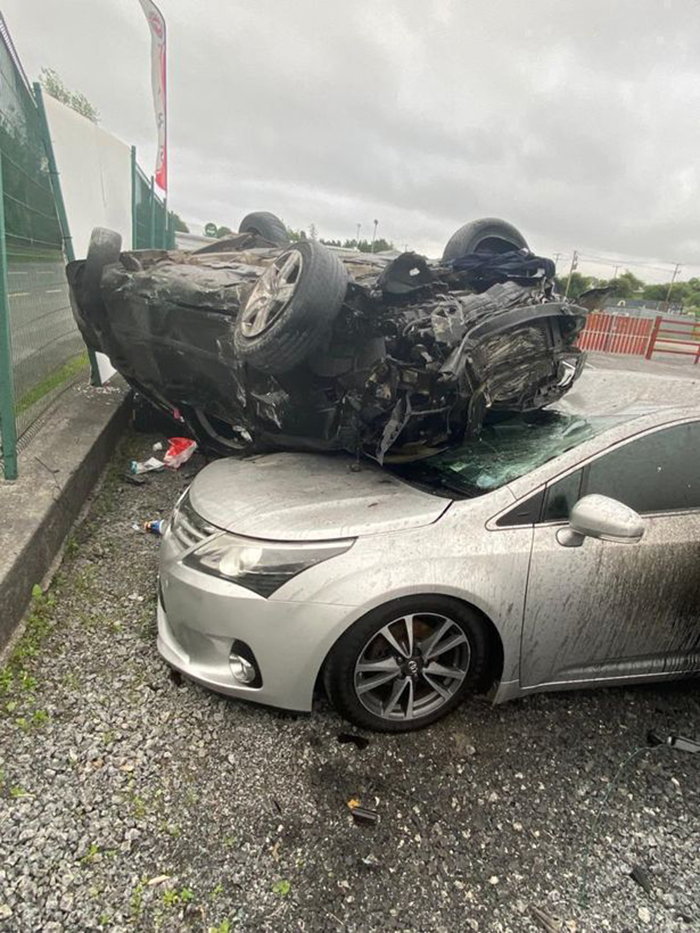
505, 449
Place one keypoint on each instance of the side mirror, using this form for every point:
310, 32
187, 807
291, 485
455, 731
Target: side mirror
600, 517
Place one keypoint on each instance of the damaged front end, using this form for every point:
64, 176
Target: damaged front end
259, 347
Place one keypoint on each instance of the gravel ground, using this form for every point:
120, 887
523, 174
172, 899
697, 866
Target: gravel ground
129, 800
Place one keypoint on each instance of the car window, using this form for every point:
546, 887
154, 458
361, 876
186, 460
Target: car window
659, 472
561, 497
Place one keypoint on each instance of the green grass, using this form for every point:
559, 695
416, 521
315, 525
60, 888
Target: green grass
66, 373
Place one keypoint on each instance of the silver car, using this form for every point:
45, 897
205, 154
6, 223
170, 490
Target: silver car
555, 551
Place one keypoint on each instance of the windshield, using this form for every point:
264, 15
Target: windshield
505, 450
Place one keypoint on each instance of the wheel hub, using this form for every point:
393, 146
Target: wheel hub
413, 667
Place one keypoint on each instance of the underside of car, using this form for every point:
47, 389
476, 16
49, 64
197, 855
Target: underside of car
261, 345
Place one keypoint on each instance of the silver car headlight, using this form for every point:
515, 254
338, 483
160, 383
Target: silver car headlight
260, 566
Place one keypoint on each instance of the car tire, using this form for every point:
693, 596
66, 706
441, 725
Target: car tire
344, 682
488, 235
104, 249
266, 225
291, 308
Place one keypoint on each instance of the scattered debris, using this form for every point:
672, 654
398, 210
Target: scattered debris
146, 466
159, 879
553, 924
642, 877
644, 914
179, 451
154, 527
134, 479
362, 814
359, 741
678, 742
158, 446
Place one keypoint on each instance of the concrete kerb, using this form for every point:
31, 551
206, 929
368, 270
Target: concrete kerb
57, 472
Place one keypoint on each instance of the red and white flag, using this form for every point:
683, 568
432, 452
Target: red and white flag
158, 80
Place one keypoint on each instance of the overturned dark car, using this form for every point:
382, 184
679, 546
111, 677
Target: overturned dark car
260, 344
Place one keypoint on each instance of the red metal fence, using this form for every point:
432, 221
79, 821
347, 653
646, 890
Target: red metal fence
616, 333
675, 335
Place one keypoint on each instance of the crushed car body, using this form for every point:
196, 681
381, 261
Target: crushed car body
258, 345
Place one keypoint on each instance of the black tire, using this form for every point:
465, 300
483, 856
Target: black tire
304, 320
266, 225
488, 235
339, 669
104, 250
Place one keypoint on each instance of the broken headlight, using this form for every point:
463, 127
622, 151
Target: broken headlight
260, 566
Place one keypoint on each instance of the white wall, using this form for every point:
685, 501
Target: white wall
95, 173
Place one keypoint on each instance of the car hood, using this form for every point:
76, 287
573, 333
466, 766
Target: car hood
308, 497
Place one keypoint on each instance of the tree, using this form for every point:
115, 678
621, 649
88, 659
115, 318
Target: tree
213, 230
53, 84
179, 224
365, 246
579, 284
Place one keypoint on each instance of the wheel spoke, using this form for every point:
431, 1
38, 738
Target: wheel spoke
429, 643
459, 638
409, 701
288, 266
408, 622
374, 667
437, 687
395, 695
372, 682
395, 645
436, 669
260, 314
285, 292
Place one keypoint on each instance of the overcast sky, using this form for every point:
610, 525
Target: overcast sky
576, 121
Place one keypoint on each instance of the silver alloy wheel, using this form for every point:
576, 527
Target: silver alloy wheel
412, 666
272, 293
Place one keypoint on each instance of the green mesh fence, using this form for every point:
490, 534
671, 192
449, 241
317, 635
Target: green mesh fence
149, 217
47, 352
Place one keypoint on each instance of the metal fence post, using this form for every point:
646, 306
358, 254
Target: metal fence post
68, 250
8, 425
152, 238
134, 201
653, 336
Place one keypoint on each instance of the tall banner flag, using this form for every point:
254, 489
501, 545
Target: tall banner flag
158, 81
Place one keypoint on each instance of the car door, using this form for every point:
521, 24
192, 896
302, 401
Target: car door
611, 610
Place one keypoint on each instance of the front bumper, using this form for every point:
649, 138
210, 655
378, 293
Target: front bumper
199, 617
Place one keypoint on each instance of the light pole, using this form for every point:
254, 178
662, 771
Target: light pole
357, 236
670, 287
574, 264
374, 235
